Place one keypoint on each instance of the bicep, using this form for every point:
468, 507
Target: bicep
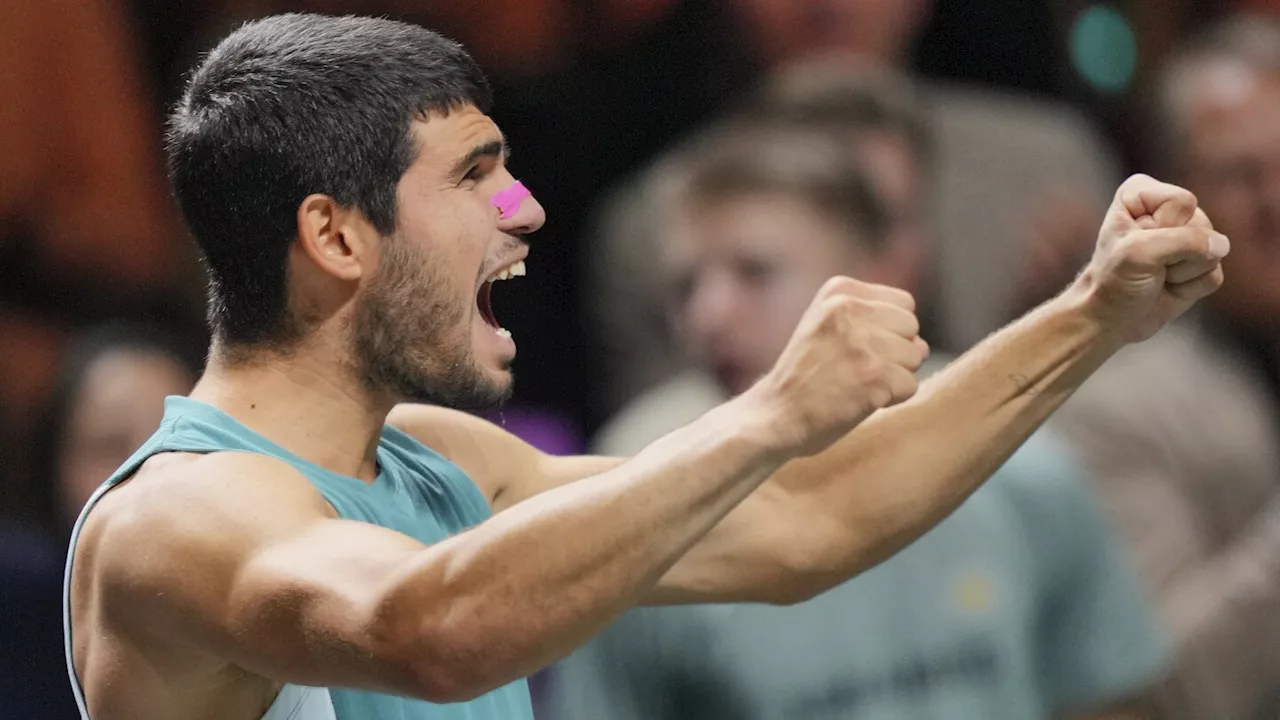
309, 609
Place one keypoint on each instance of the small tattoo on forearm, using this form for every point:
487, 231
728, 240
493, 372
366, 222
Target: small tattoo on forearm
1024, 384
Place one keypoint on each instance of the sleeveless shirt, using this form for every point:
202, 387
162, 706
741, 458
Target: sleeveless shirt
417, 492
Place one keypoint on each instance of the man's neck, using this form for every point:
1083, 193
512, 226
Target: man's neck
312, 408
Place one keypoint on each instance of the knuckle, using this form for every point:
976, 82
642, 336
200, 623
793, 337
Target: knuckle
879, 393
835, 286
1135, 181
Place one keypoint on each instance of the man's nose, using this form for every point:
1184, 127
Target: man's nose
519, 212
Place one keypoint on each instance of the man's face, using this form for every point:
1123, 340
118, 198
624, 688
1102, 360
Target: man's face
1233, 164
743, 271
424, 328
785, 30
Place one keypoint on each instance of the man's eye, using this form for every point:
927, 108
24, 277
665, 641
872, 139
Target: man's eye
473, 174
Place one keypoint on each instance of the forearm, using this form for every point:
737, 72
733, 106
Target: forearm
524, 588
906, 468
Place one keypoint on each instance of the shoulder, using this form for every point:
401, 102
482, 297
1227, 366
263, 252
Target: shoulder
181, 508
489, 455
1179, 386
998, 112
178, 530
1021, 134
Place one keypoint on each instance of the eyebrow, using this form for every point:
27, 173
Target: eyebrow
497, 148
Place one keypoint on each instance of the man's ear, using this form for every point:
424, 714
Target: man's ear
334, 237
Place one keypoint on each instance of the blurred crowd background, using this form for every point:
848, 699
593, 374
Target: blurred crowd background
705, 165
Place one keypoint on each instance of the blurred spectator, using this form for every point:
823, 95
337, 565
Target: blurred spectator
1183, 433
878, 112
107, 400
1017, 606
1018, 182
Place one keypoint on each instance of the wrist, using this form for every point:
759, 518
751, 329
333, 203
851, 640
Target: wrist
758, 418
1081, 310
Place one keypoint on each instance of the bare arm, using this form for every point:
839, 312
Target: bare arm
819, 520
905, 468
297, 596
822, 519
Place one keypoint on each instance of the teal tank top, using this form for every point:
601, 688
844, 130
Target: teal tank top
417, 492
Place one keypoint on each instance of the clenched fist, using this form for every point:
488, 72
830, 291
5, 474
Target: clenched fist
855, 351
1157, 255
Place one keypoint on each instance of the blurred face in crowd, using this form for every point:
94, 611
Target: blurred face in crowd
783, 30
1232, 118
894, 170
119, 404
745, 268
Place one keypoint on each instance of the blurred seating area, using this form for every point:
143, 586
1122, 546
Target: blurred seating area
705, 166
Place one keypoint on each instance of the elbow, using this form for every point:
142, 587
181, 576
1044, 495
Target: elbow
433, 661
443, 686
815, 560
446, 669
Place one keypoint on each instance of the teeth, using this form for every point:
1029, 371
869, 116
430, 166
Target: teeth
503, 332
516, 270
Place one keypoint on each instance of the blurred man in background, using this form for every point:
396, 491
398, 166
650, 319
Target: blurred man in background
1018, 606
1042, 171
878, 114
108, 398
1184, 434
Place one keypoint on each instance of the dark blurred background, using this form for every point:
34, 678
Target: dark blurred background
588, 92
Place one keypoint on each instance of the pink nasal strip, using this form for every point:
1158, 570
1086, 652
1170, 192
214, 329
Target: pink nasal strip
508, 201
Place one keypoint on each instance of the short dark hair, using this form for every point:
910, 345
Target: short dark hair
811, 164
853, 99
288, 106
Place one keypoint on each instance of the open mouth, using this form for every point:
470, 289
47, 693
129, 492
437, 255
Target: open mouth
484, 299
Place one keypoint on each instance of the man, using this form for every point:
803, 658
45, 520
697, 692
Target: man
877, 113
1015, 237
278, 548
1183, 435
1017, 606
